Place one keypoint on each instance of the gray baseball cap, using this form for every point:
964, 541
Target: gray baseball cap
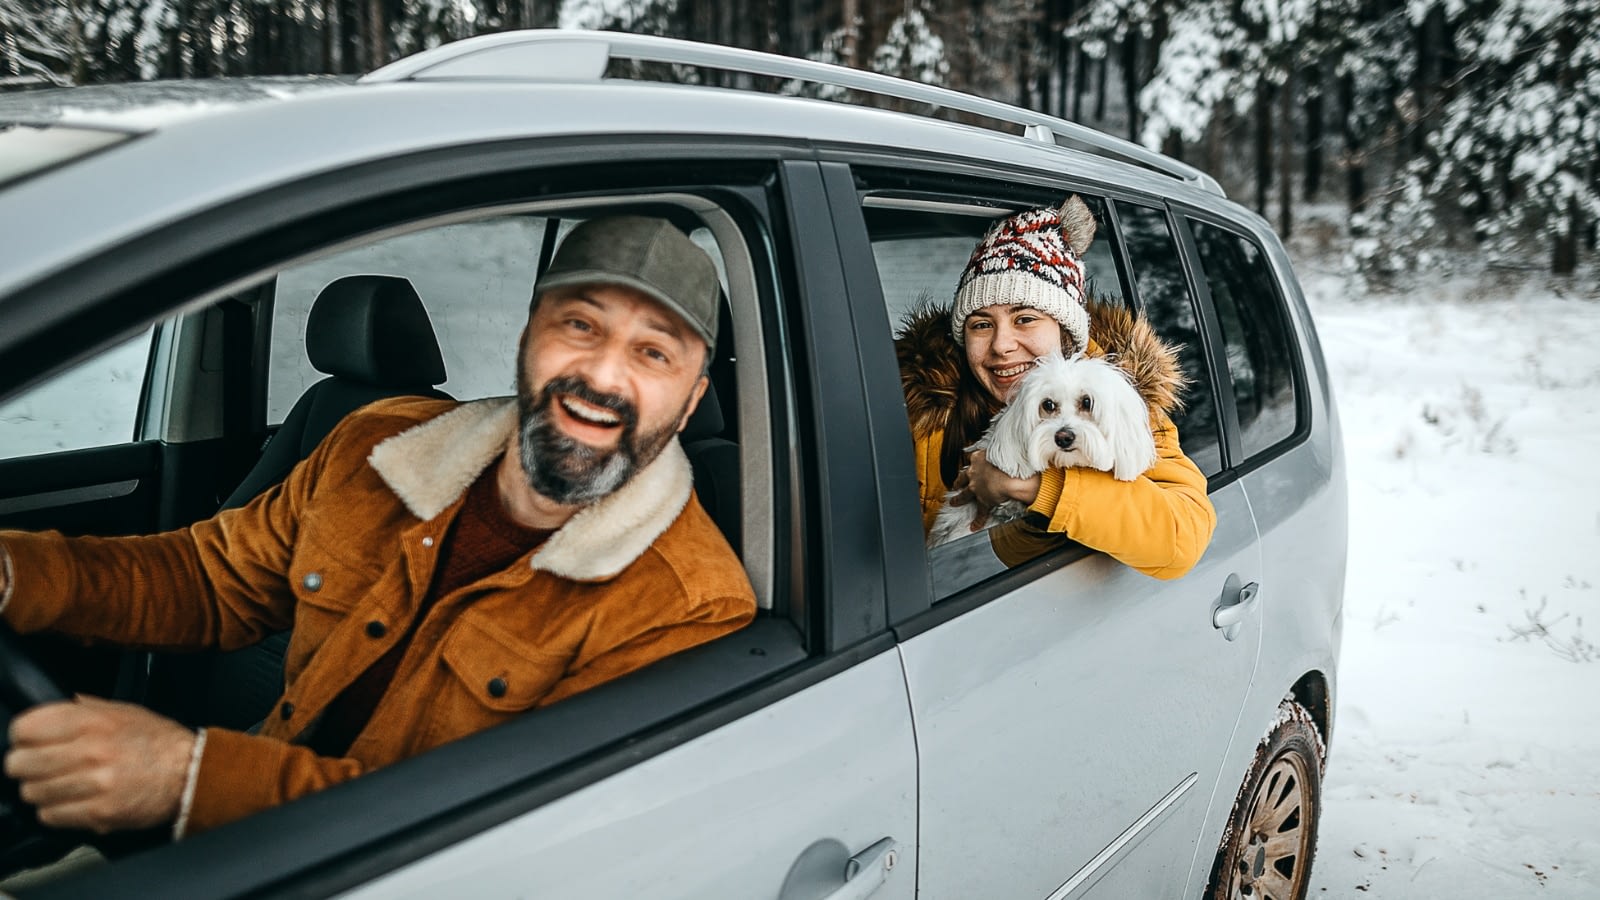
647, 254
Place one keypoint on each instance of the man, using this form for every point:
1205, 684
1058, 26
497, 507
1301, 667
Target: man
444, 566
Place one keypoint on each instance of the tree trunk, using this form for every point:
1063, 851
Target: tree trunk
1263, 140
1100, 90
1314, 129
1130, 83
1355, 162
852, 31
1564, 254
1286, 158
377, 35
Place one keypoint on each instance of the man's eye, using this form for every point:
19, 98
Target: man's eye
579, 325
657, 355
1050, 407
1086, 403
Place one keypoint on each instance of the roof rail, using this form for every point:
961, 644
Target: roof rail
563, 55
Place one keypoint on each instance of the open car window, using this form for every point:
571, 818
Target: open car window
921, 245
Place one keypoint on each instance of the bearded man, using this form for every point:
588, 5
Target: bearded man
444, 565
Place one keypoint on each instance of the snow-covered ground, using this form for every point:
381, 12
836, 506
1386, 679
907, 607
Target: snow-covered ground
1466, 749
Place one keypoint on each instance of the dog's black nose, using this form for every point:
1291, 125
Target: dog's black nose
1065, 437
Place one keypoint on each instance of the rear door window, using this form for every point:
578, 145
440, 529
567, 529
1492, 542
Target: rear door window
1255, 332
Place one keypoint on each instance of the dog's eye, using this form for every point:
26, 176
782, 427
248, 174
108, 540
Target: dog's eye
1086, 404
1049, 406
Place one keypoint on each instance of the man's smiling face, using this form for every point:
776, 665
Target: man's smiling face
607, 376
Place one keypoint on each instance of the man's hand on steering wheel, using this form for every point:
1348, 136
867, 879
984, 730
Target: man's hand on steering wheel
99, 765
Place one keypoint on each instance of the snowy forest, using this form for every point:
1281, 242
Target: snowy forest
1442, 126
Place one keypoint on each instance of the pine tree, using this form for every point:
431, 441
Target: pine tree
35, 43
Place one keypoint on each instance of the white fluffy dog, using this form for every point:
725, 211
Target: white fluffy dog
1082, 411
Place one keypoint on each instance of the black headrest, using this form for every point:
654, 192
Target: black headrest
706, 420
374, 329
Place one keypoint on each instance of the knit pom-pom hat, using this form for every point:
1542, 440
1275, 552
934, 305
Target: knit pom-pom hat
1033, 259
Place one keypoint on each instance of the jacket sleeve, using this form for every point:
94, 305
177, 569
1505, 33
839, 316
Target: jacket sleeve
1160, 523
241, 774
218, 583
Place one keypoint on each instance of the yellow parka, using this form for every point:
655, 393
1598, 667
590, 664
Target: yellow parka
1159, 523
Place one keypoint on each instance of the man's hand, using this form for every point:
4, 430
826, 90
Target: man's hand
992, 487
99, 765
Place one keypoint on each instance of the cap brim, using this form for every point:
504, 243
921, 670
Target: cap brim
597, 276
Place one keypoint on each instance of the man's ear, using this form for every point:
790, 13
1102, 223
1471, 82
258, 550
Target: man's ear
694, 401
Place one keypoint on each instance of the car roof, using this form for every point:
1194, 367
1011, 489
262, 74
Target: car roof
143, 106
202, 144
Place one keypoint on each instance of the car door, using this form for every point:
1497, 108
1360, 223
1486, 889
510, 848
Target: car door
778, 761
1072, 715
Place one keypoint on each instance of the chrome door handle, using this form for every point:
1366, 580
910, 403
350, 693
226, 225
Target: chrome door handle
1230, 615
866, 871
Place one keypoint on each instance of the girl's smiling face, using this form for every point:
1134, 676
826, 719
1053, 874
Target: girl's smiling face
1002, 341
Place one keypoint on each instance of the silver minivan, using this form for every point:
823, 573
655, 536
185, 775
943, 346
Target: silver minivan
895, 723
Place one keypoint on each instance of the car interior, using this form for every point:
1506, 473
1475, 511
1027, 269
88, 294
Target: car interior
367, 336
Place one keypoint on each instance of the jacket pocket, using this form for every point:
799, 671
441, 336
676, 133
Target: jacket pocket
494, 675
327, 591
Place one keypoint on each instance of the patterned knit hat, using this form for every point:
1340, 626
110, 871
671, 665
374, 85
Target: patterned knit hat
1034, 259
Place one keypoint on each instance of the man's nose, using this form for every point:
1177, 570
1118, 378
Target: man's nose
607, 368
1065, 438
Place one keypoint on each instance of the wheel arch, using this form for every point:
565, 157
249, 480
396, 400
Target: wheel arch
1312, 692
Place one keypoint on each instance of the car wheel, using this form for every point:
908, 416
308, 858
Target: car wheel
1271, 836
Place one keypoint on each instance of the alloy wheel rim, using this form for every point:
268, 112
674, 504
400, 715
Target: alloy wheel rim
1271, 851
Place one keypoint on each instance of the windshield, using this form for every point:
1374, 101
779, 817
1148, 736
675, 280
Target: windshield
29, 149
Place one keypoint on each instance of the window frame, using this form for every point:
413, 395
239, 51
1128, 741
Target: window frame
935, 181
357, 830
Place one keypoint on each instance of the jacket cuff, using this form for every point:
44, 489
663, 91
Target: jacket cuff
1058, 497
181, 824
234, 778
1050, 484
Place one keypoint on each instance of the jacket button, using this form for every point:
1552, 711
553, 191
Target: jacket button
376, 629
427, 542
497, 687
286, 710
312, 581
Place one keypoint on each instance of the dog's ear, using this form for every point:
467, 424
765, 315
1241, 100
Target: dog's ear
1006, 443
1125, 419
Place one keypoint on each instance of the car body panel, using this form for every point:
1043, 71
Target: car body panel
1050, 719
723, 816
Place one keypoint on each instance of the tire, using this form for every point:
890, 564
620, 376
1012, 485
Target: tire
1267, 848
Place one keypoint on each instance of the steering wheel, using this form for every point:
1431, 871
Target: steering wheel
23, 685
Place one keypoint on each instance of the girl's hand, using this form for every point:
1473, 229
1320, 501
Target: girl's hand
992, 487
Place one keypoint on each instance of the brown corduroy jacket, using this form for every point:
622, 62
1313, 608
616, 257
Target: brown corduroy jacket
349, 539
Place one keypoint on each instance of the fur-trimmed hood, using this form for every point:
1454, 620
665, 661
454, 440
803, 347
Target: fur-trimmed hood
429, 466
931, 362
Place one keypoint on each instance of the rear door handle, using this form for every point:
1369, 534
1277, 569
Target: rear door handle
1230, 615
865, 872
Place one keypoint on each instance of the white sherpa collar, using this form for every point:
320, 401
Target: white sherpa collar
430, 465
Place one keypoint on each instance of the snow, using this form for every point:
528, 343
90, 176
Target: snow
1465, 759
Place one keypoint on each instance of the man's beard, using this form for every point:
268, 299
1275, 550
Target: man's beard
569, 471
